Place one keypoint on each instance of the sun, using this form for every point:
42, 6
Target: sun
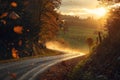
100, 12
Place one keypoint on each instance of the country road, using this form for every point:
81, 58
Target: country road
30, 69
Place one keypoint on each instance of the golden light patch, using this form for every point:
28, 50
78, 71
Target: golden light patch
14, 4
18, 29
62, 47
99, 11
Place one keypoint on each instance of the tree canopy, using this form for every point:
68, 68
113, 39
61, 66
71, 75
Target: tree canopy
25, 22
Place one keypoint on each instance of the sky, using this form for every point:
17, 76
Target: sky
78, 7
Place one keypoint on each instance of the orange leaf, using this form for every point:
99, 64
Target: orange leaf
18, 29
14, 4
4, 15
15, 53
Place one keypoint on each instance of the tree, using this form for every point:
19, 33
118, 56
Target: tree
15, 29
108, 2
47, 18
90, 43
114, 29
25, 22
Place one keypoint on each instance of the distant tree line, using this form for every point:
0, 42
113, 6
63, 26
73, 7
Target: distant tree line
89, 22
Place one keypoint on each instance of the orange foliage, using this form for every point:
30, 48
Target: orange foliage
4, 15
14, 4
18, 29
15, 53
50, 27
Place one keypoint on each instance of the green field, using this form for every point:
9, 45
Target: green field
76, 36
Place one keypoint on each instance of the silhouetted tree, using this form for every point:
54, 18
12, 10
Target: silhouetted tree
90, 43
15, 29
113, 23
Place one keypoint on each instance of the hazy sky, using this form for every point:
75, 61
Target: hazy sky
77, 7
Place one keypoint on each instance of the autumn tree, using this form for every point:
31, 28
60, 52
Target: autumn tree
24, 23
47, 18
15, 29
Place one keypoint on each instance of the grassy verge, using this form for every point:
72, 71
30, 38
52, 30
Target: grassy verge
77, 71
103, 64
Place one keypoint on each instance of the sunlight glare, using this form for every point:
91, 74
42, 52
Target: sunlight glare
55, 45
100, 12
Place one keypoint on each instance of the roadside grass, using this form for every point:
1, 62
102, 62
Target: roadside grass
44, 53
102, 64
78, 71
76, 36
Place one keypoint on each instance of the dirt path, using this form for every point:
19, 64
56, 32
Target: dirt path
61, 70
